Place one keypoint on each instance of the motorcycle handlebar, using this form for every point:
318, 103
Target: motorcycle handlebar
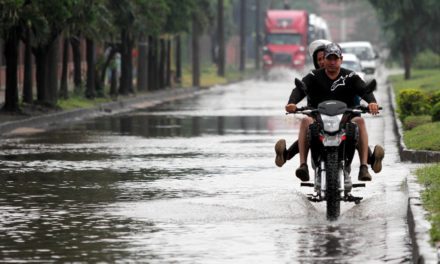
309, 110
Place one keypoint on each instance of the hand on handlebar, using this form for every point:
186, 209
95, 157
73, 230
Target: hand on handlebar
373, 108
291, 108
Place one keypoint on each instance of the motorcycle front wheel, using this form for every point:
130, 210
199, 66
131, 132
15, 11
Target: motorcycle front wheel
332, 189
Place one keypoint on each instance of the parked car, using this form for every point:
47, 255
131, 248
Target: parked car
352, 62
365, 52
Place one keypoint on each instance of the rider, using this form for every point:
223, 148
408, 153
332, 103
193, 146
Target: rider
316, 51
334, 82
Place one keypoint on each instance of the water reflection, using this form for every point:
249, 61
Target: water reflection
146, 125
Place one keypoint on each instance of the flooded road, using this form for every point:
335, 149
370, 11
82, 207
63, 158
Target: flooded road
192, 181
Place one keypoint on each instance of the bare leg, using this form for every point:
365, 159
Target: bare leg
363, 140
302, 139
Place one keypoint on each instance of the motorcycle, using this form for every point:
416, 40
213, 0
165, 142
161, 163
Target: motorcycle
332, 140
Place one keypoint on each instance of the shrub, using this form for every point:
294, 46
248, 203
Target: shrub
413, 102
436, 112
413, 121
427, 60
434, 98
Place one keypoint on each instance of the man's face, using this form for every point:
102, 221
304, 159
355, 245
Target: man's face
332, 63
321, 59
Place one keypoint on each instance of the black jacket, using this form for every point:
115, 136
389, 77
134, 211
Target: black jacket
320, 88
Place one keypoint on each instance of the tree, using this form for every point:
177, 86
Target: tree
257, 33
202, 16
11, 12
177, 22
133, 20
409, 24
49, 19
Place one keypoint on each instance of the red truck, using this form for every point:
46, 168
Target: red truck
286, 39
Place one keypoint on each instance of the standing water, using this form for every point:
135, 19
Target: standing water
192, 181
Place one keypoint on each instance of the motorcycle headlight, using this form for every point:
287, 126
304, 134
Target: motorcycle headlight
331, 123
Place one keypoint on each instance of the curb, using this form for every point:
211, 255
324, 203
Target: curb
423, 251
51, 121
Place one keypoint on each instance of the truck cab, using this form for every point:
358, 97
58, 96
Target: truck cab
286, 33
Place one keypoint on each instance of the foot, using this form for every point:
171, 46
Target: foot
364, 175
376, 158
303, 172
280, 150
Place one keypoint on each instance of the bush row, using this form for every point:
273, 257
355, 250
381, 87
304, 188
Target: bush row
414, 102
427, 60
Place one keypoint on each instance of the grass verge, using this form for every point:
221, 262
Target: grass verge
426, 80
75, 102
428, 177
209, 77
423, 137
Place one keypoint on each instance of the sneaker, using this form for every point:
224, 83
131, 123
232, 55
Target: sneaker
377, 157
364, 175
303, 172
280, 150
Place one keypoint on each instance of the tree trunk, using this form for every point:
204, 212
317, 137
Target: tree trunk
257, 33
195, 53
64, 93
126, 84
152, 63
99, 88
142, 73
162, 65
90, 57
11, 56
407, 60
40, 54
221, 40
114, 83
28, 82
76, 54
52, 72
178, 59
242, 35
168, 64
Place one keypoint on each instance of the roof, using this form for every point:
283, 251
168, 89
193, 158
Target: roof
350, 57
287, 20
355, 44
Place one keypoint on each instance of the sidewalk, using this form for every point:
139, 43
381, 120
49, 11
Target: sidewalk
43, 119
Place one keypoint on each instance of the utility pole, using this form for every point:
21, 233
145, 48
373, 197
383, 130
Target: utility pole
221, 39
242, 35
